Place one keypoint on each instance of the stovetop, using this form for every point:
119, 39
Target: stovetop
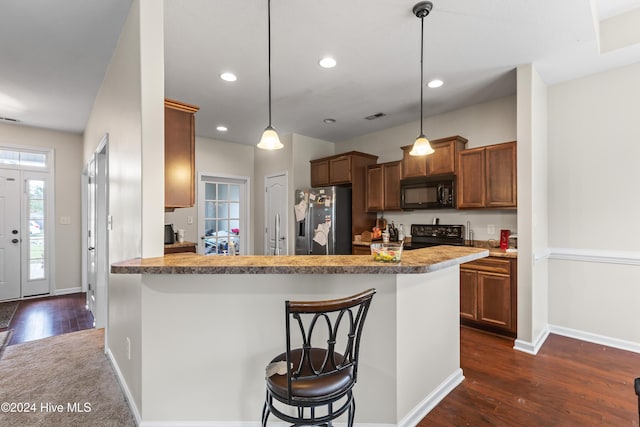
425, 235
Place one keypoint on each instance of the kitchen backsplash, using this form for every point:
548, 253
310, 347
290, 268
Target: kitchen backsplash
486, 224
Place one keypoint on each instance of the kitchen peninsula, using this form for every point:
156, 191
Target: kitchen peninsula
209, 325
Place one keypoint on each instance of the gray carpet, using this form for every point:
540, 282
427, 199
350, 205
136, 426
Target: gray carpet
7, 310
5, 336
65, 381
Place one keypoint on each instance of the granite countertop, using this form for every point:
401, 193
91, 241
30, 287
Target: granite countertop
495, 252
413, 262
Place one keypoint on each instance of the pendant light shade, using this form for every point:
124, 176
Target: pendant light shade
270, 139
421, 146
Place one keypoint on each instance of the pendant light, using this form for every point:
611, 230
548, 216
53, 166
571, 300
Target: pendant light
270, 139
421, 146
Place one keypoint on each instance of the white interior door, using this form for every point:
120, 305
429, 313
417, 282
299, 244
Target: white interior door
276, 218
223, 215
91, 237
10, 236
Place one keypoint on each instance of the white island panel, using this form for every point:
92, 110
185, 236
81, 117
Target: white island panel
207, 338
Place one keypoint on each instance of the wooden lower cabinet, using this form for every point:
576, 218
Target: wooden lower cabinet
488, 290
360, 250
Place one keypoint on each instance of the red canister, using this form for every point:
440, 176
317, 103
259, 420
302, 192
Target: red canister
504, 239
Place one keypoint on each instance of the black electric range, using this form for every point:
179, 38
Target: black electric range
426, 235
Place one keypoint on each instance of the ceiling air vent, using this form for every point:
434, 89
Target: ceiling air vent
375, 116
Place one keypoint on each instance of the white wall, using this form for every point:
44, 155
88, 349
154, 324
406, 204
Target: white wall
532, 209
130, 110
593, 205
214, 157
483, 124
68, 168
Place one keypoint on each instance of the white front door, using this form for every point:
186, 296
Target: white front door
276, 218
10, 236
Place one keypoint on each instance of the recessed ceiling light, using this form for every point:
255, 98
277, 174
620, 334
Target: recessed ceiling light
221, 128
435, 83
329, 120
228, 77
327, 62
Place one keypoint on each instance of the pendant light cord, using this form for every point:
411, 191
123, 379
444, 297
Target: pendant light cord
421, 70
269, 52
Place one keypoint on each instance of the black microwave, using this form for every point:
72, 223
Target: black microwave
428, 193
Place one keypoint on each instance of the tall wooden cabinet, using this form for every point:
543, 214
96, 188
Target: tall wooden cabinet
179, 154
487, 177
441, 162
488, 295
383, 186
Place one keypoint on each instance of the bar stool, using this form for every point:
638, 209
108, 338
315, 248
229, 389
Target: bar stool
311, 382
637, 386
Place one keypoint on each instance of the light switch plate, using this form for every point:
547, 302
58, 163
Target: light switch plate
65, 220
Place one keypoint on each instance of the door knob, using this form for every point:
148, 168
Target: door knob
15, 241
14, 231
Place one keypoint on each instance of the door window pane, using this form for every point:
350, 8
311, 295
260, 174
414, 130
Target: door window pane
23, 158
36, 203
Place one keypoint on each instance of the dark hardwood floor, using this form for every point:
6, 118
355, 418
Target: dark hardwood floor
569, 383
49, 316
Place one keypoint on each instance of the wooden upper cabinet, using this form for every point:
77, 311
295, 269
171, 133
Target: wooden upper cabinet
319, 173
179, 154
471, 182
375, 188
348, 169
487, 177
383, 186
392, 173
339, 169
501, 175
441, 162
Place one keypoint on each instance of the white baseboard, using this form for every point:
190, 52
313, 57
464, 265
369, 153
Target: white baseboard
431, 401
532, 347
595, 338
241, 424
125, 389
67, 291
410, 420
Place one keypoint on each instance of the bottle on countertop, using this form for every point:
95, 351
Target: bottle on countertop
232, 248
401, 233
393, 232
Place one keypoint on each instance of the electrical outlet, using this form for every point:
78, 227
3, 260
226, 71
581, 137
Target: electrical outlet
128, 348
491, 229
189, 220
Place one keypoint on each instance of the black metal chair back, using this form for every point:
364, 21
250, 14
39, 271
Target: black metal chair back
321, 360
637, 386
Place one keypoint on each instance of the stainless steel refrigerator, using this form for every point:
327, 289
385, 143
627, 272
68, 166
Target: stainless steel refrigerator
323, 221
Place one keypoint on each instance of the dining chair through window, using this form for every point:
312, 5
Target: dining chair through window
312, 382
